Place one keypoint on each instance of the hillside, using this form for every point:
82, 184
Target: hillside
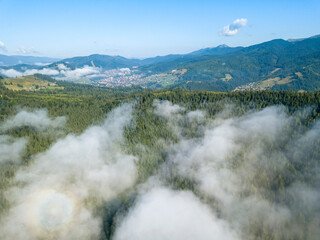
30, 83
246, 157
101, 61
112, 62
291, 65
277, 65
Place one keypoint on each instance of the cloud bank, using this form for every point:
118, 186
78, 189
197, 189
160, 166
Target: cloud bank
12, 73
232, 163
61, 72
55, 196
3, 47
233, 28
26, 51
162, 213
37, 119
230, 177
79, 73
11, 149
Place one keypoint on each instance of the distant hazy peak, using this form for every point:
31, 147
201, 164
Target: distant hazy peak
223, 46
301, 39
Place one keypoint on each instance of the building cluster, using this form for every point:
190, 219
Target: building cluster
251, 86
125, 77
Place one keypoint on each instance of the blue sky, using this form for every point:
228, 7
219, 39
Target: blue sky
140, 28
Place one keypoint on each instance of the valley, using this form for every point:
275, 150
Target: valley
276, 65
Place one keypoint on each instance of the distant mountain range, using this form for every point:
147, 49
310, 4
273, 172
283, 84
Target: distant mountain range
108, 62
277, 64
16, 59
112, 62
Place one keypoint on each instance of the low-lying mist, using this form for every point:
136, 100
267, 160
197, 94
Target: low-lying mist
254, 176
60, 72
54, 196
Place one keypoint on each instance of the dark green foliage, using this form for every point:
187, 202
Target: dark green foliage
149, 138
251, 64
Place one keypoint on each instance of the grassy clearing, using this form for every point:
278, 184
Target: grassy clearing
299, 74
29, 83
163, 80
276, 70
270, 82
276, 81
227, 77
285, 80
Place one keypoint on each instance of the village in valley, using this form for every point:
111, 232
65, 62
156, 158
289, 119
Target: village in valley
126, 77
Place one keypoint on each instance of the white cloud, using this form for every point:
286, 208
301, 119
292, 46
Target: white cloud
11, 149
45, 71
79, 73
3, 47
11, 73
42, 64
166, 108
62, 72
62, 67
38, 119
59, 190
233, 28
178, 215
244, 142
62, 192
26, 51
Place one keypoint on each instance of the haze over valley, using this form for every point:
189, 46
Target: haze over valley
277, 64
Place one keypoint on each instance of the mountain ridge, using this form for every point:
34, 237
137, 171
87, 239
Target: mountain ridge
6, 60
277, 64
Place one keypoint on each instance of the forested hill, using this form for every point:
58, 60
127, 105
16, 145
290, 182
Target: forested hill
274, 65
85, 105
277, 64
112, 62
103, 61
260, 150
